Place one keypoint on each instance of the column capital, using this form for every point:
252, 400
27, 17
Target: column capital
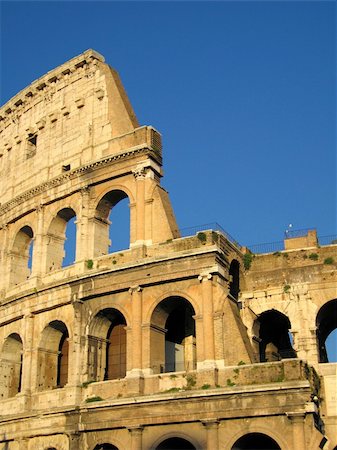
136, 429
205, 276
136, 288
210, 423
140, 173
296, 416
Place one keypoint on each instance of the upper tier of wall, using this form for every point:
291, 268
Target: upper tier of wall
75, 114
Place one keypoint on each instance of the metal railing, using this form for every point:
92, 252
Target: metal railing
214, 226
266, 247
290, 233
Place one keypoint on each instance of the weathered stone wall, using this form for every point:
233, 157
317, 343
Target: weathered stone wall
74, 145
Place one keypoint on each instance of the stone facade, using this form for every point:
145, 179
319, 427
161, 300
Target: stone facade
171, 343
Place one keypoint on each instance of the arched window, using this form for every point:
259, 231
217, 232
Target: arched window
53, 356
275, 342
173, 344
175, 443
234, 285
112, 223
256, 441
62, 240
22, 255
107, 346
11, 366
326, 323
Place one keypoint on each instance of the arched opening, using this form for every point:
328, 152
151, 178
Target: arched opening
175, 443
275, 343
326, 323
256, 441
22, 255
53, 356
107, 346
234, 274
173, 343
112, 223
105, 447
11, 366
62, 240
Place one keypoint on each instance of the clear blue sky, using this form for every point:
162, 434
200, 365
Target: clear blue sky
243, 92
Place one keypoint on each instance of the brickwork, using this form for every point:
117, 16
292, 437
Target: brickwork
169, 343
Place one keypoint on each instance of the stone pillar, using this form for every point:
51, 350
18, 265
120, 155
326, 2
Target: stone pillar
211, 426
297, 421
208, 324
27, 358
74, 441
140, 174
39, 250
136, 437
136, 334
84, 244
76, 356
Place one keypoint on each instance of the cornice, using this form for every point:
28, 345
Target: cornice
61, 179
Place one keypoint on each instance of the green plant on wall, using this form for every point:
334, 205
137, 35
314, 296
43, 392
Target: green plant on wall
286, 288
202, 237
89, 263
93, 399
313, 256
190, 381
329, 260
247, 260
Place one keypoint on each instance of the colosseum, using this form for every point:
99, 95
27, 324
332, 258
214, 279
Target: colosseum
173, 342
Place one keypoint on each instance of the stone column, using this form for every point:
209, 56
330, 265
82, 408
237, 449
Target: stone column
27, 358
84, 238
297, 421
211, 426
140, 174
39, 250
137, 347
76, 356
136, 437
74, 441
208, 324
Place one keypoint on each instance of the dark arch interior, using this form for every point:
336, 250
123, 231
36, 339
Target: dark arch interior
256, 441
234, 285
116, 346
175, 443
105, 447
326, 322
274, 329
180, 323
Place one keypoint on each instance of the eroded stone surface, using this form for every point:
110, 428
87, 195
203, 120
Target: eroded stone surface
171, 338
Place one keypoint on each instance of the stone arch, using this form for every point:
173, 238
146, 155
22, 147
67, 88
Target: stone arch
172, 293
11, 366
255, 440
175, 441
234, 282
273, 333
61, 248
103, 226
21, 255
107, 355
172, 336
326, 323
53, 356
105, 446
